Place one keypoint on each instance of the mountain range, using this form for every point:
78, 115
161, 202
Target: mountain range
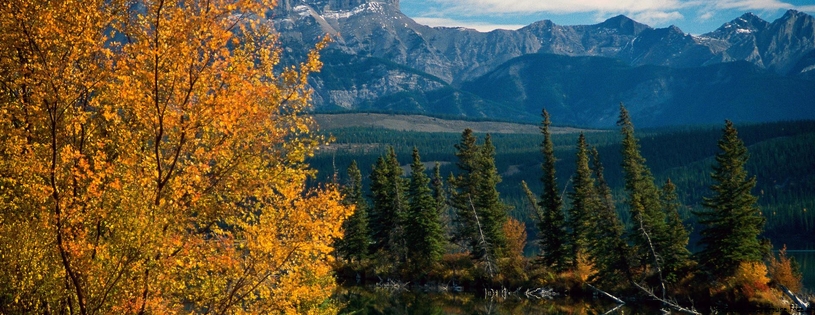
380, 60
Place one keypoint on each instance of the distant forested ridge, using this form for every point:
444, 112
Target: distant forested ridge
782, 158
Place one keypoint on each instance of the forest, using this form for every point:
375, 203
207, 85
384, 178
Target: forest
781, 157
621, 233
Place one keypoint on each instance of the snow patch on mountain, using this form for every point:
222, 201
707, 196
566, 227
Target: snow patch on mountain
371, 7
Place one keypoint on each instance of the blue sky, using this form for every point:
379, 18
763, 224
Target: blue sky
692, 16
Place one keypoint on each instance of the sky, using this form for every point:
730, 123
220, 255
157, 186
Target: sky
692, 16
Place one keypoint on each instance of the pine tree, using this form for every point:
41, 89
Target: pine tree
676, 255
491, 210
732, 221
649, 228
480, 214
440, 197
584, 203
387, 192
608, 249
356, 240
552, 224
463, 192
423, 233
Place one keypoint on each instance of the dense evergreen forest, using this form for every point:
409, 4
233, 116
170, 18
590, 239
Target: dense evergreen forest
782, 158
631, 239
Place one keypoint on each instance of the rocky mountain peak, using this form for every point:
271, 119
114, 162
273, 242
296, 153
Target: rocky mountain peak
794, 14
624, 24
746, 24
331, 5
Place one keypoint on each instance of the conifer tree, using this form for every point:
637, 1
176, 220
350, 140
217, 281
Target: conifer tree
676, 256
491, 210
732, 221
356, 240
553, 237
608, 249
387, 192
480, 214
423, 232
463, 192
440, 197
648, 228
584, 203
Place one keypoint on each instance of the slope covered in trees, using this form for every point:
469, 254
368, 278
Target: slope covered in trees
781, 156
581, 241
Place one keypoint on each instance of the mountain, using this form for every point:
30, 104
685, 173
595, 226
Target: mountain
656, 95
381, 60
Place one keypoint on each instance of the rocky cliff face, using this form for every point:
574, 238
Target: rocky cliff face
413, 58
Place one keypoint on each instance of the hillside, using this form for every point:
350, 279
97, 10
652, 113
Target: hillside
421, 123
380, 60
781, 157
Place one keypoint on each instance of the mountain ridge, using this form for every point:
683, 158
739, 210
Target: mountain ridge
367, 31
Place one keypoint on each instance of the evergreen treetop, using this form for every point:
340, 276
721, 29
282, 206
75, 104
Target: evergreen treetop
732, 221
648, 228
607, 248
356, 240
553, 237
584, 202
387, 193
423, 232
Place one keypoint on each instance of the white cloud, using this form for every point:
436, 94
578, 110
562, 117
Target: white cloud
479, 26
667, 8
751, 4
706, 16
657, 17
483, 14
558, 6
806, 8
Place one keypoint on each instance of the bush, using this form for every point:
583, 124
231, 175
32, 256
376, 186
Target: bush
784, 271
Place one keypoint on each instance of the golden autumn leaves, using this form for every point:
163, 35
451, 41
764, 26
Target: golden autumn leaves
153, 162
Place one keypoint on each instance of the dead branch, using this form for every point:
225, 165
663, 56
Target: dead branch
670, 304
483, 240
803, 305
616, 299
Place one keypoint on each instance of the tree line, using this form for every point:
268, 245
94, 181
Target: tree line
426, 224
780, 159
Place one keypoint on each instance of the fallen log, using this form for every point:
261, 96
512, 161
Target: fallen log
616, 299
803, 305
670, 304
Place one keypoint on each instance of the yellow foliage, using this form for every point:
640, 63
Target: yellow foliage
783, 272
585, 267
751, 279
153, 162
515, 232
752, 272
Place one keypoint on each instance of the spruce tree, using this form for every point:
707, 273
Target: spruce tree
584, 203
440, 197
648, 228
423, 233
387, 193
356, 240
463, 192
480, 214
553, 237
608, 249
491, 210
732, 221
677, 254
